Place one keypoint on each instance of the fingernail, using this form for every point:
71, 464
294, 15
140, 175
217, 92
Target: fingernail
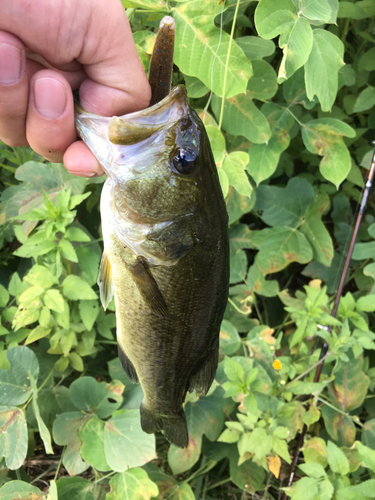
49, 97
10, 64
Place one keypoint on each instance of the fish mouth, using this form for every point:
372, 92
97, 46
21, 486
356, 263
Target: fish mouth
135, 127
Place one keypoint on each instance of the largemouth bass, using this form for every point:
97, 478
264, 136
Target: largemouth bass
165, 257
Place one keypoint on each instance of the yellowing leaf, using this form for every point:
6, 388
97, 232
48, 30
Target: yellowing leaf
274, 465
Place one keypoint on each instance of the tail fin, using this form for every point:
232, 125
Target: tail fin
174, 426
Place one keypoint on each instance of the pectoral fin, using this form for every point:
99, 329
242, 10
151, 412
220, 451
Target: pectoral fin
105, 281
148, 287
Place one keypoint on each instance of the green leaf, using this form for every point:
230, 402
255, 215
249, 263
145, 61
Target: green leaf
76, 362
43, 430
89, 260
54, 300
366, 303
126, 445
88, 310
367, 60
92, 435
75, 288
233, 370
337, 459
16, 386
76, 234
306, 387
97, 397
67, 251
322, 67
365, 100
234, 166
364, 251
279, 17
264, 158
366, 488
41, 276
318, 11
255, 47
242, 117
278, 247
263, 84
13, 437
284, 206
134, 484
238, 205
316, 232
230, 341
15, 285
195, 28
4, 295
313, 470
358, 10
21, 491
158, 5
35, 250
66, 429
77, 488
256, 281
195, 88
37, 333
325, 137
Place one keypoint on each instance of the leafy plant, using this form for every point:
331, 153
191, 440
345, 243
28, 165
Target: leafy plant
286, 91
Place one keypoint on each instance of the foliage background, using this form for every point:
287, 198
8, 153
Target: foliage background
291, 120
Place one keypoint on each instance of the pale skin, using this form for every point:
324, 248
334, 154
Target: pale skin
49, 48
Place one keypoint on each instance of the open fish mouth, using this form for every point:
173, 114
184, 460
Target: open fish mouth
103, 134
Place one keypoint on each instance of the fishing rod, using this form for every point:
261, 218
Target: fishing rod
344, 273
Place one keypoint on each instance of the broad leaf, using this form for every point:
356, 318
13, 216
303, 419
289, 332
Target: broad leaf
242, 117
66, 429
255, 47
278, 247
264, 158
197, 39
97, 397
321, 70
134, 484
43, 430
280, 17
13, 437
349, 388
325, 138
16, 385
92, 450
21, 491
75, 288
126, 445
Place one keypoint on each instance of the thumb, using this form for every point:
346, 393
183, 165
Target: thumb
116, 83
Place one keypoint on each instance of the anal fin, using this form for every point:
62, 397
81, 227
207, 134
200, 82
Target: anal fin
148, 287
128, 366
105, 281
202, 379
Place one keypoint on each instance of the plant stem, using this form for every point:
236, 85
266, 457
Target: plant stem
46, 379
59, 464
219, 483
227, 63
354, 418
304, 373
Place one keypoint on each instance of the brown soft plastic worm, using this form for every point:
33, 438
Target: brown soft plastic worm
160, 76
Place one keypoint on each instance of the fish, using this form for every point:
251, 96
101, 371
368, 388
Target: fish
166, 250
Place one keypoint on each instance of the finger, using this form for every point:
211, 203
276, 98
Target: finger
117, 83
13, 90
79, 160
50, 125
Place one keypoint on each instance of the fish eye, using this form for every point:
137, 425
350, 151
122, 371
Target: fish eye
183, 160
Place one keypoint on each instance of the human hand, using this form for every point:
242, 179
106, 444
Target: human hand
48, 48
